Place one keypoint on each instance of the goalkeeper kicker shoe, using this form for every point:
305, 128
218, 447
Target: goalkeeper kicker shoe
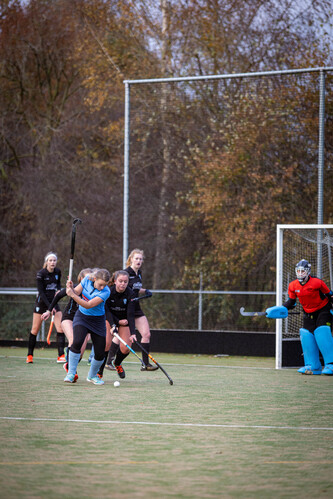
328, 369
309, 370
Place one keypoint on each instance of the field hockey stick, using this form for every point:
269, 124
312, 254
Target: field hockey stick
147, 295
258, 314
155, 361
76, 221
131, 349
48, 340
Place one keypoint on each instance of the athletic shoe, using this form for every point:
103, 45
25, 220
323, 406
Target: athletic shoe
76, 377
29, 359
61, 359
110, 367
70, 378
96, 380
149, 367
99, 375
120, 371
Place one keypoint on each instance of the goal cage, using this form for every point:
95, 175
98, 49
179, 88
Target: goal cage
294, 243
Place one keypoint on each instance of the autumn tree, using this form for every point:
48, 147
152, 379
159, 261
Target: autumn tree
221, 144
62, 66
214, 37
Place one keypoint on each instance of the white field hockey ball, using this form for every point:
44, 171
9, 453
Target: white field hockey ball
116, 383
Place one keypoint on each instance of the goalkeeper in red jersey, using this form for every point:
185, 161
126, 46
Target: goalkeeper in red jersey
316, 335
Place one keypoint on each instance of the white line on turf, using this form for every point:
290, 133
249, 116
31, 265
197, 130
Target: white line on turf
152, 423
164, 363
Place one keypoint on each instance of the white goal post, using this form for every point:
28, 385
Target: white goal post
293, 243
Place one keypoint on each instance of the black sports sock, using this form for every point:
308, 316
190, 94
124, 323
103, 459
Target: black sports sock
61, 343
101, 369
112, 352
31, 344
145, 357
120, 357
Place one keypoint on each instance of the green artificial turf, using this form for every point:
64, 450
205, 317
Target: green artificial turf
228, 427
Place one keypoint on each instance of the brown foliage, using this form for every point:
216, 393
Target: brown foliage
240, 157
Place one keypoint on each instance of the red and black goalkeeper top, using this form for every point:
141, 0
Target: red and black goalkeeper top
312, 295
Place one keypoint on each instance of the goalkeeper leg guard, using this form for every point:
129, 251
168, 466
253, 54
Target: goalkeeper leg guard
311, 353
323, 336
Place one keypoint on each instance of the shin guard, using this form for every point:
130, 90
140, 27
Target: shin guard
119, 357
32, 344
95, 365
323, 336
101, 368
310, 349
112, 352
73, 360
61, 343
145, 357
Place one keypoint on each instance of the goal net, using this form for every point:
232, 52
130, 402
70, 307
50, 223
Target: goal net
294, 243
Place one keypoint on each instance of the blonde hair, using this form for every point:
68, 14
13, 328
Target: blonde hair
83, 273
132, 253
47, 256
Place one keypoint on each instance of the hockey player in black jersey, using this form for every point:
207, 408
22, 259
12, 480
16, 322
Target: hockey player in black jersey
48, 284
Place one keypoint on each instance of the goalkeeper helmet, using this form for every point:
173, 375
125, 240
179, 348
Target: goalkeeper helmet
303, 269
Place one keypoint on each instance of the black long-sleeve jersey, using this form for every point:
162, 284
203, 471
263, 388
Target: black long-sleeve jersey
135, 280
120, 306
135, 283
70, 309
48, 283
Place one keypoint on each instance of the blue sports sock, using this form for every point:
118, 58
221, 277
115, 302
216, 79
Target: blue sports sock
73, 360
91, 354
95, 365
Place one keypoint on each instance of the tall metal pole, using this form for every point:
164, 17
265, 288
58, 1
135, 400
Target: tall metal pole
126, 172
279, 295
321, 144
200, 304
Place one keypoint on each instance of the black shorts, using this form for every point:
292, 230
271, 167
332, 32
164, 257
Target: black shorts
67, 316
321, 317
139, 313
69, 312
40, 308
